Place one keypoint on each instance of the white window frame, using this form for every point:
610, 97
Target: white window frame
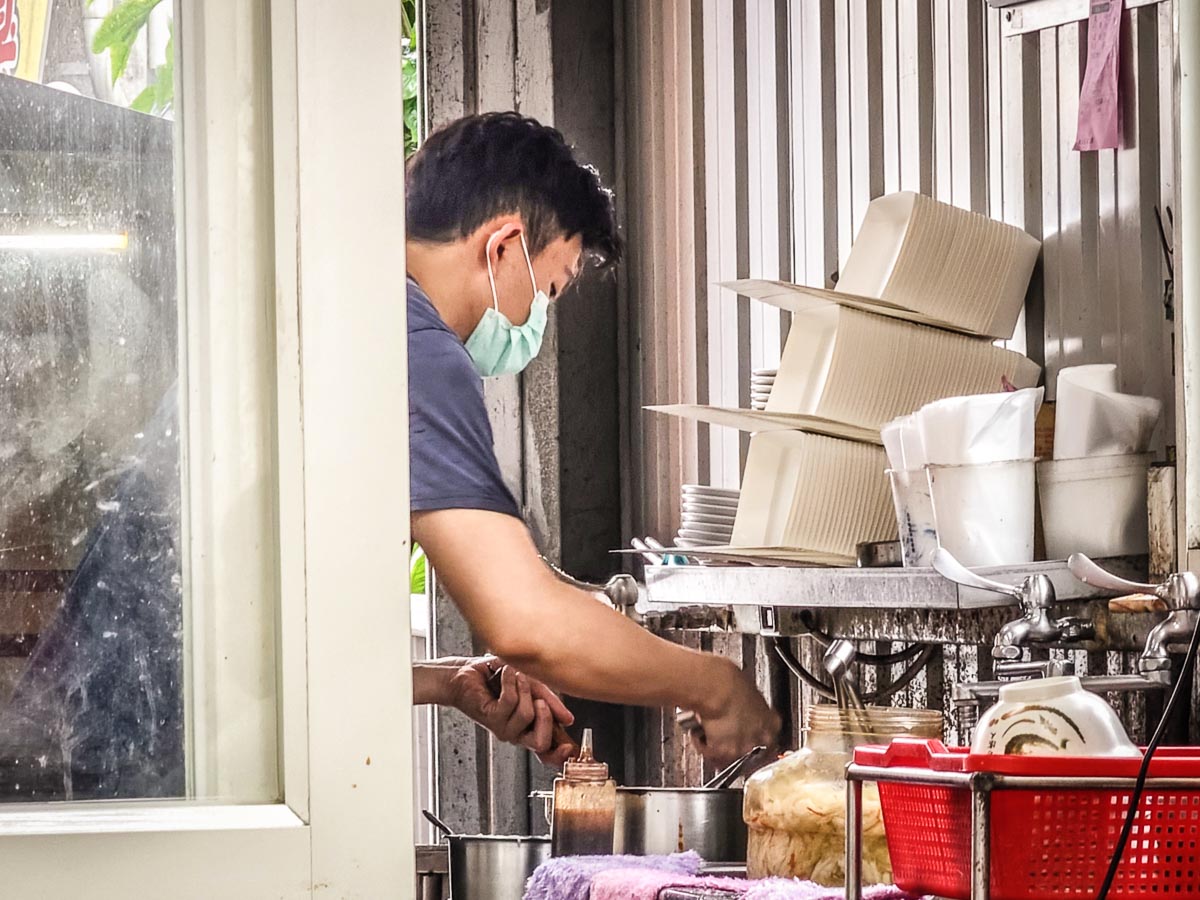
317, 96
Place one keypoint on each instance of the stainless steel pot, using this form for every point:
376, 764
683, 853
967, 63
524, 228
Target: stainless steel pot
671, 820
493, 867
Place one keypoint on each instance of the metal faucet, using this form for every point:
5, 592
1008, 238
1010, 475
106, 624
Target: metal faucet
1036, 626
1181, 594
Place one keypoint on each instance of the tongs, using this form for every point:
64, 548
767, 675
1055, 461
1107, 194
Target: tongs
690, 723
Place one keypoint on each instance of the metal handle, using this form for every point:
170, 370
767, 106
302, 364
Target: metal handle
1089, 573
951, 569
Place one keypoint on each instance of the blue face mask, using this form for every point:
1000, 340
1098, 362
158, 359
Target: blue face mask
497, 346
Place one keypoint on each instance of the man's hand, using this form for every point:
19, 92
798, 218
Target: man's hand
516, 708
737, 719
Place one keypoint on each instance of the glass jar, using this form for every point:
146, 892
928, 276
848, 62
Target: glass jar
795, 808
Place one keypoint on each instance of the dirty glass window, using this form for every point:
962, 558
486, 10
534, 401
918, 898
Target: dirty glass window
91, 565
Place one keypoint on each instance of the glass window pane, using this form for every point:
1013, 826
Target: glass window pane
96, 679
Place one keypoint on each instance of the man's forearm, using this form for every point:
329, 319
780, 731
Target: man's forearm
431, 680
586, 649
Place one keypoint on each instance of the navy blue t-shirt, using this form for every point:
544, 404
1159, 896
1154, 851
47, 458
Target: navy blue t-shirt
452, 460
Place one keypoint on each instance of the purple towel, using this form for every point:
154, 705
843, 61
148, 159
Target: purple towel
570, 877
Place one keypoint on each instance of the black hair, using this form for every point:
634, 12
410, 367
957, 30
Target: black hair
483, 166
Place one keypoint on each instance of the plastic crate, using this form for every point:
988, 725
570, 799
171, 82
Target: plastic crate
1045, 843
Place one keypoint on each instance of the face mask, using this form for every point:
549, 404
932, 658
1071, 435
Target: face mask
497, 346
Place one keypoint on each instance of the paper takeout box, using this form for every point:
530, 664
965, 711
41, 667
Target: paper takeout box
846, 373
811, 494
925, 262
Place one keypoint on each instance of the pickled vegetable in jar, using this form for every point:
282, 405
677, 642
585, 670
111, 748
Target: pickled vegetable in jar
795, 808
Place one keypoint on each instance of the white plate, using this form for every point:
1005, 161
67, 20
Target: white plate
702, 519
709, 508
729, 510
713, 537
700, 490
711, 489
692, 525
764, 373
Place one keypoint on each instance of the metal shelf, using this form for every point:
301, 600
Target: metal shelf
1027, 16
672, 588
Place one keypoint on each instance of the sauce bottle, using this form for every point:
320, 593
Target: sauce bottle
585, 806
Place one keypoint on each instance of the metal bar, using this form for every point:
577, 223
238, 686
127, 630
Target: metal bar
991, 781
1036, 15
854, 790
981, 842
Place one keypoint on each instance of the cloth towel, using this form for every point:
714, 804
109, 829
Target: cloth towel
570, 877
648, 884
793, 889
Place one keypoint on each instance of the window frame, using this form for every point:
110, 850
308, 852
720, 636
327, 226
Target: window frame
333, 254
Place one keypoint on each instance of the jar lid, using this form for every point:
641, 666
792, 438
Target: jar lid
876, 722
586, 767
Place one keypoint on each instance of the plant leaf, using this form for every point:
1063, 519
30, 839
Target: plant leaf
120, 29
416, 571
145, 101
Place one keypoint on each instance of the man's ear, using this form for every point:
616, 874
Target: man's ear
502, 232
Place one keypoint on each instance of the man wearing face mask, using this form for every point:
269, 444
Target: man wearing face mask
501, 219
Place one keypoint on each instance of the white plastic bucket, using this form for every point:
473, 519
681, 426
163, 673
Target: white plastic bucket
984, 512
1095, 505
914, 516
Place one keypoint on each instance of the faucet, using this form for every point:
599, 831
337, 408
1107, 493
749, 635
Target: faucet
1181, 594
1037, 625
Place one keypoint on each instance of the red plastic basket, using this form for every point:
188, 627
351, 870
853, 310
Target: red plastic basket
1047, 843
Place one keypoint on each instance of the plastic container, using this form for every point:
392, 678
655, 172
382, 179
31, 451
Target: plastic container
984, 512
795, 808
1046, 843
1051, 715
914, 516
585, 806
1095, 506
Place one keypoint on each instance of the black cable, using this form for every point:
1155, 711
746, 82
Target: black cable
924, 652
1139, 787
871, 659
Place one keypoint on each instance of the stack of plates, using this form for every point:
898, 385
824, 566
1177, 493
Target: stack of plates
761, 382
708, 515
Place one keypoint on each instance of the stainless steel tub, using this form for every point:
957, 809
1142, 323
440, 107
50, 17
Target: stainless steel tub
493, 867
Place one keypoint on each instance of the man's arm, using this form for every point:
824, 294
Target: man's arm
563, 636
514, 707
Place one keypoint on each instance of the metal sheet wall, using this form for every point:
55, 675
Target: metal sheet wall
805, 111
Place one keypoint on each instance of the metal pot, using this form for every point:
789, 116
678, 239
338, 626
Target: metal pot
493, 867
671, 820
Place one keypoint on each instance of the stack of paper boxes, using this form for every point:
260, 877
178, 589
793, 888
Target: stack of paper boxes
925, 292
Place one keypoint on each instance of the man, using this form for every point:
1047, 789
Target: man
501, 220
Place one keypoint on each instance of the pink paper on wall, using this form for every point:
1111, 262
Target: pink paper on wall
1099, 103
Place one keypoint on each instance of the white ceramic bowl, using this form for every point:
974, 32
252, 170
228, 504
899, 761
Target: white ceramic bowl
1051, 715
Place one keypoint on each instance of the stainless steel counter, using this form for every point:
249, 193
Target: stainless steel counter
747, 589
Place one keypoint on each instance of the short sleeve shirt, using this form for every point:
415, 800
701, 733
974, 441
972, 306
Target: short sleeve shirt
452, 458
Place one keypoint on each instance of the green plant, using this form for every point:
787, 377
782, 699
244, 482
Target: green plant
409, 74
416, 571
120, 29
117, 34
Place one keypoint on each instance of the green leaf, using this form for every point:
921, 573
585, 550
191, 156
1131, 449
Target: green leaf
416, 571
145, 101
120, 29
408, 79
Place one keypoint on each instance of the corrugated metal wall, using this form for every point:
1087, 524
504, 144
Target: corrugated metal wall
804, 111
757, 131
